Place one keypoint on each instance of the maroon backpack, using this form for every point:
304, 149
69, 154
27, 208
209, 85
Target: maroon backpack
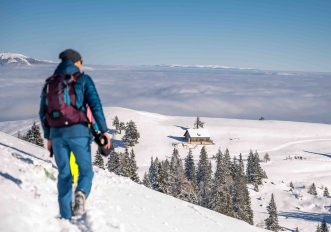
61, 110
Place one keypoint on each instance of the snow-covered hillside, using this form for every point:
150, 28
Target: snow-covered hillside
281, 139
8, 58
29, 200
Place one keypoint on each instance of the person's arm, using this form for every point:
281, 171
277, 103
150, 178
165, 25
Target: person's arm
92, 98
42, 114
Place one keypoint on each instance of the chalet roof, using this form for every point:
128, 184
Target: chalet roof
198, 133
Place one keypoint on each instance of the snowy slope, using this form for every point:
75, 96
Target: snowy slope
8, 58
29, 202
160, 133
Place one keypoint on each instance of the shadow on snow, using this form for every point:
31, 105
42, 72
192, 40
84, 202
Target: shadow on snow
308, 216
317, 153
178, 138
7, 176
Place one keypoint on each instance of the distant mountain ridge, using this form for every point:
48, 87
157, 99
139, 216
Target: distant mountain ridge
9, 58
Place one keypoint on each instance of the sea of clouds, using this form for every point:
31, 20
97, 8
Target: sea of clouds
189, 91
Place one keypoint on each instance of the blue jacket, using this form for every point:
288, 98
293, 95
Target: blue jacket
86, 93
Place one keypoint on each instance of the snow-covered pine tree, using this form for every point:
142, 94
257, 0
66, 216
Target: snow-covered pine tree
227, 165
113, 164
272, 221
146, 181
37, 138
98, 160
254, 172
28, 136
258, 171
125, 163
204, 178
219, 178
153, 173
131, 135
190, 167
240, 194
241, 163
324, 226
291, 186
266, 157
121, 127
221, 200
318, 228
166, 166
181, 187
250, 168
198, 123
173, 167
133, 167
188, 191
33, 135
296, 229
116, 123
163, 178
312, 189
326, 192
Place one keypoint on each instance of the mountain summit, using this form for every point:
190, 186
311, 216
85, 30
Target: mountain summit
8, 58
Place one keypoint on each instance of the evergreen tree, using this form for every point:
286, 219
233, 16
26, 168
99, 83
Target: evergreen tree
204, 177
254, 172
312, 189
240, 195
296, 229
125, 164
153, 173
241, 163
258, 172
291, 186
221, 199
163, 179
33, 135
116, 123
272, 221
326, 192
133, 167
219, 172
198, 123
38, 140
98, 160
250, 167
131, 135
318, 228
146, 181
324, 226
121, 127
190, 167
181, 187
266, 157
113, 164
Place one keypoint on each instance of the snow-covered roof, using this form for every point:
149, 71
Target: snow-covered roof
198, 133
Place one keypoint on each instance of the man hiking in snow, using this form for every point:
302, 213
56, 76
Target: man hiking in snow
65, 102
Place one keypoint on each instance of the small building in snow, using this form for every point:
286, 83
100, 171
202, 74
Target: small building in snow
198, 136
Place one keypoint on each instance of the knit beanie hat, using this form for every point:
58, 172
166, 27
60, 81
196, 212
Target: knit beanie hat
70, 54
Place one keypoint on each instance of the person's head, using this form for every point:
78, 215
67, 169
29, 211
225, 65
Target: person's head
72, 55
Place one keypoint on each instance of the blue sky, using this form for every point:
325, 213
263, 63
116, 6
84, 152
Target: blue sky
266, 34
